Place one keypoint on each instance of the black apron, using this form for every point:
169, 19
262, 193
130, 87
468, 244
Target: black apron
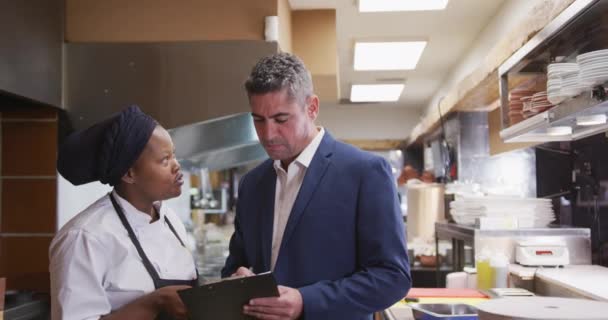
158, 282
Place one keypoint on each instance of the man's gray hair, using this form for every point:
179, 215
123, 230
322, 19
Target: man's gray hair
280, 71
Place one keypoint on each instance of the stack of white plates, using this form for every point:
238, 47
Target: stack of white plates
557, 69
530, 212
593, 67
555, 82
571, 85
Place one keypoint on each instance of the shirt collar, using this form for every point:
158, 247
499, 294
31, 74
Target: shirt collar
305, 157
135, 217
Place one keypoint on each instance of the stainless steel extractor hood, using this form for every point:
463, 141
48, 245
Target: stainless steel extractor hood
218, 143
195, 89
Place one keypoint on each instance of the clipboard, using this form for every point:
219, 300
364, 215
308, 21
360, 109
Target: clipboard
225, 299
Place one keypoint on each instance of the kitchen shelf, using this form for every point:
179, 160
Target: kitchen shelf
534, 129
582, 27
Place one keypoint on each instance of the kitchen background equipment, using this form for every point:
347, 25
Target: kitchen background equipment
425, 207
511, 292
2, 289
533, 254
25, 305
542, 308
444, 311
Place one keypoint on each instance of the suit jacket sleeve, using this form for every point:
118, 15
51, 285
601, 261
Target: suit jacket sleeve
236, 257
383, 276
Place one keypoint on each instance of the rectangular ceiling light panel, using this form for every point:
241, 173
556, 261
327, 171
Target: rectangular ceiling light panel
401, 5
375, 92
388, 55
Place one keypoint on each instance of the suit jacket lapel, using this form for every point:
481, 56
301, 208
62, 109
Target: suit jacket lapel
268, 185
315, 172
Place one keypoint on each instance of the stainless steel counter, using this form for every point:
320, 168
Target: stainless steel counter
578, 240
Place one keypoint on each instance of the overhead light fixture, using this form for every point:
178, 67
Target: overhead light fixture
559, 131
388, 55
375, 92
591, 120
401, 5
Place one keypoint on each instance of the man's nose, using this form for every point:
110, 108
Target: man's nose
268, 132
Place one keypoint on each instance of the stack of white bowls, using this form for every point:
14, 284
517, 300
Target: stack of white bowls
593, 67
562, 82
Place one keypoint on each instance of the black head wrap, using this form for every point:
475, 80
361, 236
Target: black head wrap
105, 151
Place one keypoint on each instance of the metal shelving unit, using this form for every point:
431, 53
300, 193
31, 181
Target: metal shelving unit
460, 236
564, 38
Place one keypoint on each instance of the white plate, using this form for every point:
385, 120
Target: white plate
596, 81
571, 93
599, 59
594, 74
570, 77
562, 66
594, 67
591, 54
558, 99
592, 60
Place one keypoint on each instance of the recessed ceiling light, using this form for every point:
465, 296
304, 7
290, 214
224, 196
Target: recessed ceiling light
401, 5
388, 55
375, 92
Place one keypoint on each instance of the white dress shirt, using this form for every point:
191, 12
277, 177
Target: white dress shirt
286, 191
96, 269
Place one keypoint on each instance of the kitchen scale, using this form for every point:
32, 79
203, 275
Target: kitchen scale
534, 254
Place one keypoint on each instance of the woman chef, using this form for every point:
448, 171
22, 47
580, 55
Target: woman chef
123, 257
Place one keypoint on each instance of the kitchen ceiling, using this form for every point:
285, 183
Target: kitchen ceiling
450, 33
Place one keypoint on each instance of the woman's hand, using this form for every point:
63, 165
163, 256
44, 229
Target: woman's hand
150, 305
171, 303
243, 272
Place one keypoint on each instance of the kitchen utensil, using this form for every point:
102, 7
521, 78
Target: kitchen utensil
443, 311
445, 293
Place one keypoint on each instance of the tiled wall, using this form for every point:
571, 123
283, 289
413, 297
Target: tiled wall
27, 192
467, 134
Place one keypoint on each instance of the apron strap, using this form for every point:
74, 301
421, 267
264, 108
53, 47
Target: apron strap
174, 232
158, 282
183, 245
140, 250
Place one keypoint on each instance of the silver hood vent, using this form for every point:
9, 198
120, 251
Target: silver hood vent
195, 89
218, 144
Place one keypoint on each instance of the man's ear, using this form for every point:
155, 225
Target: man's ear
129, 177
312, 108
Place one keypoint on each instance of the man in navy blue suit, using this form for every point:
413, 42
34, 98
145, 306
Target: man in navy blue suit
322, 215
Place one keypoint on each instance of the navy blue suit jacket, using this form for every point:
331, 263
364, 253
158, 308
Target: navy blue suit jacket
344, 244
